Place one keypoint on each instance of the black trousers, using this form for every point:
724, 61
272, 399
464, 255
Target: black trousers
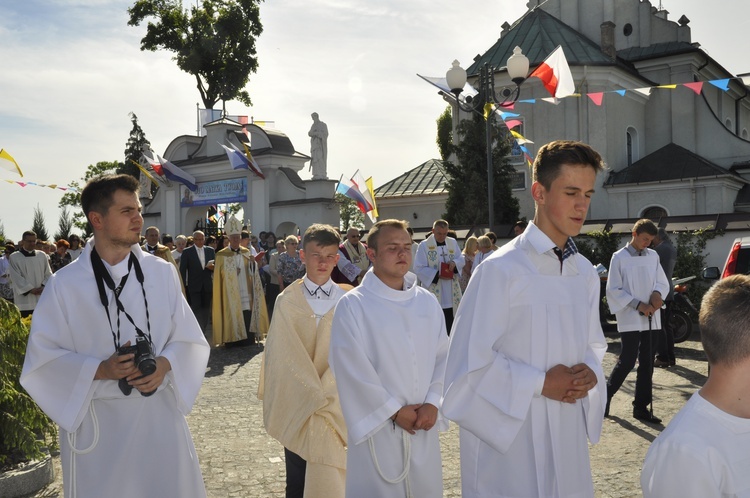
635, 345
665, 348
295, 474
272, 292
200, 303
448, 312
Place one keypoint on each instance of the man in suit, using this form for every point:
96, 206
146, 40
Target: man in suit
196, 267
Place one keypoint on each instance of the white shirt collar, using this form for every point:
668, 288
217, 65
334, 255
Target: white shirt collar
315, 291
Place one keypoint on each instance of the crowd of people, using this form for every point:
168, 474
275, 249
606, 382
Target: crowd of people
371, 348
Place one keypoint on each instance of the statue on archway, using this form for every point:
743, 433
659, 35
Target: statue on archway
318, 148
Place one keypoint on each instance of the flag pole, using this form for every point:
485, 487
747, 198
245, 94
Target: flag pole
333, 199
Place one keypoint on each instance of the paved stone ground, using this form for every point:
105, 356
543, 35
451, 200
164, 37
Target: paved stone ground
240, 460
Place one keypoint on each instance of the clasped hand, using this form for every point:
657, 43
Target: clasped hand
412, 418
568, 384
117, 367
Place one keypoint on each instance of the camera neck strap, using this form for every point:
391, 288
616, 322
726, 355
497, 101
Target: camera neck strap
103, 278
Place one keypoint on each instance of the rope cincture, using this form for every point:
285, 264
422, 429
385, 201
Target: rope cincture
407, 463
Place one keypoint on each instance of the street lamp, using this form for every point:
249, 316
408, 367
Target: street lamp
518, 68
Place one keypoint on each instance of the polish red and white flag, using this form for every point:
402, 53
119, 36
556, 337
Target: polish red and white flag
555, 74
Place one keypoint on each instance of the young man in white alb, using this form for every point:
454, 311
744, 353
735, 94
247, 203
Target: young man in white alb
524, 379
388, 351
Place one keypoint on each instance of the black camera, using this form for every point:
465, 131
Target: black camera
143, 357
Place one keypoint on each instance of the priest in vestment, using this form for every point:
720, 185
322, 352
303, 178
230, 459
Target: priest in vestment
438, 265
353, 262
388, 352
301, 406
113, 443
524, 379
239, 305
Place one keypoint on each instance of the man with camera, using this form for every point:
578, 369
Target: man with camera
119, 363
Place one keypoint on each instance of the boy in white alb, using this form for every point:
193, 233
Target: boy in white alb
524, 379
636, 287
300, 403
706, 447
388, 351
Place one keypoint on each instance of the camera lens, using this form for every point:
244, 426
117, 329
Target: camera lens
147, 366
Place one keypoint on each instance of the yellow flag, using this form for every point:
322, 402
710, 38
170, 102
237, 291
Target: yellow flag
148, 175
487, 111
368, 182
8, 157
667, 86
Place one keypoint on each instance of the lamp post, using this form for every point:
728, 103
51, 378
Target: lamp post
517, 67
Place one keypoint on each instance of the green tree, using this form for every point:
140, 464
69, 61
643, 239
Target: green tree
72, 198
134, 148
444, 138
39, 225
214, 42
64, 224
2, 232
350, 214
467, 182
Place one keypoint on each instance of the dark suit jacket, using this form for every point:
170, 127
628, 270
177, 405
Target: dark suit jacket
198, 279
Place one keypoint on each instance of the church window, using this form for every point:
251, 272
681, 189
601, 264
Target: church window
654, 213
632, 145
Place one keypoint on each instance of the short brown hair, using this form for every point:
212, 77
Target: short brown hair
725, 322
98, 192
552, 156
645, 225
372, 235
323, 235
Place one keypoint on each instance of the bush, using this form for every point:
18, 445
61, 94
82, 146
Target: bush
691, 260
25, 430
598, 246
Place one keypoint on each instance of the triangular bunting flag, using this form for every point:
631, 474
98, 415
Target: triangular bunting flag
4, 155
643, 91
621, 93
512, 123
487, 110
722, 84
696, 87
671, 87
596, 97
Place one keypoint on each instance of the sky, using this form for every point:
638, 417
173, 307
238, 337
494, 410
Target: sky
72, 70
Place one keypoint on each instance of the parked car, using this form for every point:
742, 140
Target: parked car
738, 261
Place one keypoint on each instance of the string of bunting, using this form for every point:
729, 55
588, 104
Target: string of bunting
597, 98
34, 184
